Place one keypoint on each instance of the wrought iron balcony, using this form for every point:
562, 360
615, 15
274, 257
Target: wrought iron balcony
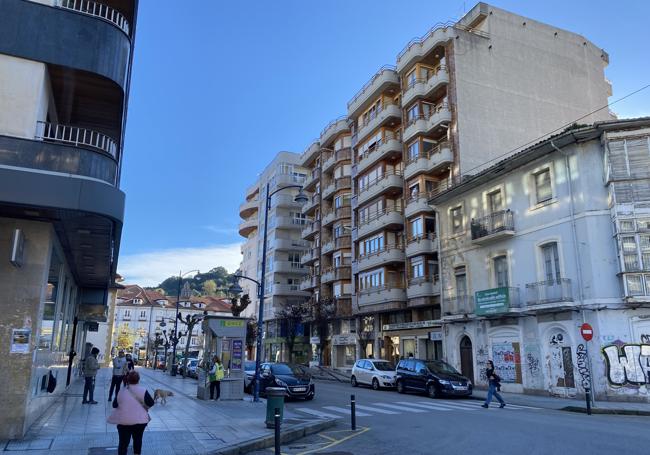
495, 226
551, 291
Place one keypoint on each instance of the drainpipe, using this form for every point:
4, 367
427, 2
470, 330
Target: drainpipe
440, 277
576, 251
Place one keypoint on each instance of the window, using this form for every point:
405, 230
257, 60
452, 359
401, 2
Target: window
411, 78
294, 283
294, 258
630, 254
456, 219
412, 114
414, 190
143, 314
626, 226
372, 279
371, 177
551, 262
634, 285
373, 245
337, 290
417, 268
543, 188
342, 201
501, 271
413, 150
416, 228
127, 314
495, 201
461, 281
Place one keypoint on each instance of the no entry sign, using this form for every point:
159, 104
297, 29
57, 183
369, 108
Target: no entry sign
586, 331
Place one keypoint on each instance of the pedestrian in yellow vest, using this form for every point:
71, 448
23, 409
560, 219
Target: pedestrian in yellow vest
216, 374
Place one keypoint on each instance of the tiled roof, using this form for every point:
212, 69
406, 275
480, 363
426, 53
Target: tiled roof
131, 292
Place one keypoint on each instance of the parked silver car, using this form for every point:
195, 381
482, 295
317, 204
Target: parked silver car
373, 372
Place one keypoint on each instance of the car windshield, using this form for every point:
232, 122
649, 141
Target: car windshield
249, 366
438, 366
384, 366
283, 368
193, 363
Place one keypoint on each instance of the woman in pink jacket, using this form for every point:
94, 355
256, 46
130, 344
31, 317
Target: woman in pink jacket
131, 414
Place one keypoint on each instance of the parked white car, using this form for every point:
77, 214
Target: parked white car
373, 372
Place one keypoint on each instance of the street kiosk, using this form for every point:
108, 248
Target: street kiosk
224, 337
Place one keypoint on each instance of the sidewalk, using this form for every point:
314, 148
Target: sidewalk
185, 425
577, 404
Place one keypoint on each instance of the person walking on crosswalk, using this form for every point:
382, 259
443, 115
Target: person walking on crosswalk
494, 384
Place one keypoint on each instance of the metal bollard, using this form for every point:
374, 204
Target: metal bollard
277, 431
588, 398
353, 413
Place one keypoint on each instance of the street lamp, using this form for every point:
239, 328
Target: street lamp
300, 198
186, 294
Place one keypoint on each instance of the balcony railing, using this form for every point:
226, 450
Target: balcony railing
388, 136
379, 179
98, 10
428, 154
558, 290
501, 221
79, 137
370, 82
374, 216
437, 108
423, 80
374, 114
459, 304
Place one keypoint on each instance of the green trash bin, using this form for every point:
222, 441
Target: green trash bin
274, 399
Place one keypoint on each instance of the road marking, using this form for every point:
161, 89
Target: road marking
401, 408
318, 413
435, 406
360, 431
455, 405
345, 411
371, 409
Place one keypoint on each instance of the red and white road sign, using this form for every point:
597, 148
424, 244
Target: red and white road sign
586, 331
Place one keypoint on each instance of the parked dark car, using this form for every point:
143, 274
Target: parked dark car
292, 378
249, 375
435, 377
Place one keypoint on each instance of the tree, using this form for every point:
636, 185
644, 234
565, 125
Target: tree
322, 312
125, 338
291, 317
190, 321
251, 334
366, 332
209, 287
219, 275
239, 305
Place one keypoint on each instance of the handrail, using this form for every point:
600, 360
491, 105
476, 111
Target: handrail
384, 105
383, 249
422, 39
378, 179
332, 123
370, 82
378, 215
382, 287
437, 149
501, 220
79, 137
419, 237
384, 140
97, 10
436, 109
421, 80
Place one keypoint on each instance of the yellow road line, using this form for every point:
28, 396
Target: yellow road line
327, 437
337, 442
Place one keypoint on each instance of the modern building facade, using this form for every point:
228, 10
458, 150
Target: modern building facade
284, 271
65, 70
540, 243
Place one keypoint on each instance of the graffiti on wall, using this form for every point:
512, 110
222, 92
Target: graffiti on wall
583, 366
628, 364
560, 362
507, 361
481, 362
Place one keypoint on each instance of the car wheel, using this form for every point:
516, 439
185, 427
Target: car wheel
353, 381
400, 387
432, 392
375, 384
309, 397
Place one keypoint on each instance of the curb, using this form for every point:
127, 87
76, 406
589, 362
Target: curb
265, 442
625, 412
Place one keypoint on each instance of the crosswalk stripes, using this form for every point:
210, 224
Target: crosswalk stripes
375, 409
435, 406
316, 413
345, 411
399, 407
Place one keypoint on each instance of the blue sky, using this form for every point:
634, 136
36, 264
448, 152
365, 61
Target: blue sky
219, 87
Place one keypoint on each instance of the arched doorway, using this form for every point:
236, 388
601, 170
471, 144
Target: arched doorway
466, 358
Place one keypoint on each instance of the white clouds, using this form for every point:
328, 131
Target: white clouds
149, 269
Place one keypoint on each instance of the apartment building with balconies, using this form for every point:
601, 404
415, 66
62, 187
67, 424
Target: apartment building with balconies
285, 246
329, 256
249, 211
542, 242
65, 71
461, 95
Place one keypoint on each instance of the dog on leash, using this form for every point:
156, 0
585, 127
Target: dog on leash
162, 394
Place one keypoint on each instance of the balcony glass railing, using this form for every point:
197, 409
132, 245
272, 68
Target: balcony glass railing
427, 115
429, 153
551, 291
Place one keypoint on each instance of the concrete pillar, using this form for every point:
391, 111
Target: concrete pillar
22, 291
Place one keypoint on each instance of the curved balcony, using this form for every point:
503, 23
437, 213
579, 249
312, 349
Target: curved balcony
329, 161
252, 191
284, 200
287, 222
329, 190
388, 112
78, 137
311, 230
280, 266
343, 183
383, 79
381, 298
344, 241
246, 227
422, 88
343, 212
385, 219
440, 115
309, 282
418, 204
328, 218
98, 10
248, 208
388, 148
439, 157
312, 178
309, 154
310, 256
331, 274
391, 182
422, 287
418, 48
290, 244
328, 247
387, 255
292, 290
312, 203
422, 244
333, 129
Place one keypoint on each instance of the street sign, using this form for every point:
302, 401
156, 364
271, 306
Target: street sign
586, 331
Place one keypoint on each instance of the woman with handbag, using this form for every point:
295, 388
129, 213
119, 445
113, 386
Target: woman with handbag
494, 382
131, 414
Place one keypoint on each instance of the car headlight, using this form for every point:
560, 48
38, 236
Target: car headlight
444, 382
280, 382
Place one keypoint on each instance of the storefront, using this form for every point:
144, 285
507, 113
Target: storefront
344, 348
420, 339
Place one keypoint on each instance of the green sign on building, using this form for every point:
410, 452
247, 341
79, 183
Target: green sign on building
492, 301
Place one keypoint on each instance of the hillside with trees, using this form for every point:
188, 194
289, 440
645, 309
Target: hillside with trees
210, 283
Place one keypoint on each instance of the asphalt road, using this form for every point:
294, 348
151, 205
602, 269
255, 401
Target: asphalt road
409, 424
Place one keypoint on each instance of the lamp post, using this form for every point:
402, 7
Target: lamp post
186, 294
301, 198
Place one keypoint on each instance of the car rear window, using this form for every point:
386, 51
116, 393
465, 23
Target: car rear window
438, 366
384, 366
